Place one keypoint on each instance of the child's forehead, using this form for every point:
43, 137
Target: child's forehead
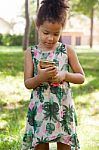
51, 26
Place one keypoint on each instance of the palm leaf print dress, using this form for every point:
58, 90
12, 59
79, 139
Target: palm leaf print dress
51, 114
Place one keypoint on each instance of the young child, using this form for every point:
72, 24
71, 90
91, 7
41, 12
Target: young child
51, 114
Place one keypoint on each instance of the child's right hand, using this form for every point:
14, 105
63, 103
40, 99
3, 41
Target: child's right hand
47, 73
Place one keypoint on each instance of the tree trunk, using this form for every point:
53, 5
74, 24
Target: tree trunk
37, 4
91, 27
36, 34
27, 26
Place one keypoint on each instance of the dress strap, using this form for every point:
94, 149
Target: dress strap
33, 48
64, 46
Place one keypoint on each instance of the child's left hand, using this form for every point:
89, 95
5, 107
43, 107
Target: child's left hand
59, 78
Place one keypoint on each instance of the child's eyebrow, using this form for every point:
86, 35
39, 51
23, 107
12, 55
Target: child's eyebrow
49, 31
46, 30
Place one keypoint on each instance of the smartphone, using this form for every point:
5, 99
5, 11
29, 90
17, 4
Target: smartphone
46, 64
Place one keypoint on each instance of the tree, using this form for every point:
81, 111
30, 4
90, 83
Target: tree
32, 33
29, 13
36, 34
26, 33
87, 7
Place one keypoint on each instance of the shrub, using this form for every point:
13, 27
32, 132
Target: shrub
17, 40
11, 40
1, 36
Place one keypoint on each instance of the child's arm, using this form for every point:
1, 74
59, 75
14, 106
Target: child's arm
77, 76
43, 74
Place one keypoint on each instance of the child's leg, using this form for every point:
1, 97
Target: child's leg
61, 146
42, 147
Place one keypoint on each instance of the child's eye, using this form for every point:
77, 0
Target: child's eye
45, 33
57, 34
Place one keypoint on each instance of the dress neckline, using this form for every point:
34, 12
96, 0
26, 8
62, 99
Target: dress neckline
49, 51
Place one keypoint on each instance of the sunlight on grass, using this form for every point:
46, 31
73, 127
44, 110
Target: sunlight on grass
9, 49
88, 79
83, 49
14, 88
89, 97
3, 123
89, 137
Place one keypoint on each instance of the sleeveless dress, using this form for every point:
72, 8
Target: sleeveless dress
51, 114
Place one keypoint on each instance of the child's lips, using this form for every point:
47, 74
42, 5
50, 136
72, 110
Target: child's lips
49, 44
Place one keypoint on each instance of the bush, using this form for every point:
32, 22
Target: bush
11, 40
1, 36
17, 40
6, 40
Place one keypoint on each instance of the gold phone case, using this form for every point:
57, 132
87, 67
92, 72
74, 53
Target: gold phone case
46, 63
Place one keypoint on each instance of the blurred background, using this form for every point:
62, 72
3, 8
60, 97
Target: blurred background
17, 32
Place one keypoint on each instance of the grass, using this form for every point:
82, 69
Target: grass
14, 99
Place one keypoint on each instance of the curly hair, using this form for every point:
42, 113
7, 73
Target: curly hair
52, 11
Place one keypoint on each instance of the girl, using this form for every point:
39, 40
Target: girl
51, 114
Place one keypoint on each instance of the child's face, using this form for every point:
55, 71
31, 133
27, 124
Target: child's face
49, 34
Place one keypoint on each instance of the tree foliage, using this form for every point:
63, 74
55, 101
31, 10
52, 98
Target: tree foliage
85, 6
88, 8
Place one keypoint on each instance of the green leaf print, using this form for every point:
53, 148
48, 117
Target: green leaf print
50, 127
28, 138
35, 66
40, 91
44, 56
74, 140
32, 51
65, 67
51, 111
68, 112
57, 138
67, 118
42, 140
56, 62
31, 95
31, 117
58, 91
61, 49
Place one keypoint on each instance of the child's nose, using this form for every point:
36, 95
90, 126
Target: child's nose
50, 37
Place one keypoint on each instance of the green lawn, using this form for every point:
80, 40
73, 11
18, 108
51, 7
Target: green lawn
14, 99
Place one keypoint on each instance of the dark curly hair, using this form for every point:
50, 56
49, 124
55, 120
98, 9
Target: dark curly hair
52, 11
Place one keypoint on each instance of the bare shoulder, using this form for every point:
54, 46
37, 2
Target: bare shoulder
73, 60
28, 56
70, 50
28, 64
27, 51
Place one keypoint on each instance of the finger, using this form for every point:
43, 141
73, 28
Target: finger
39, 67
51, 68
52, 73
